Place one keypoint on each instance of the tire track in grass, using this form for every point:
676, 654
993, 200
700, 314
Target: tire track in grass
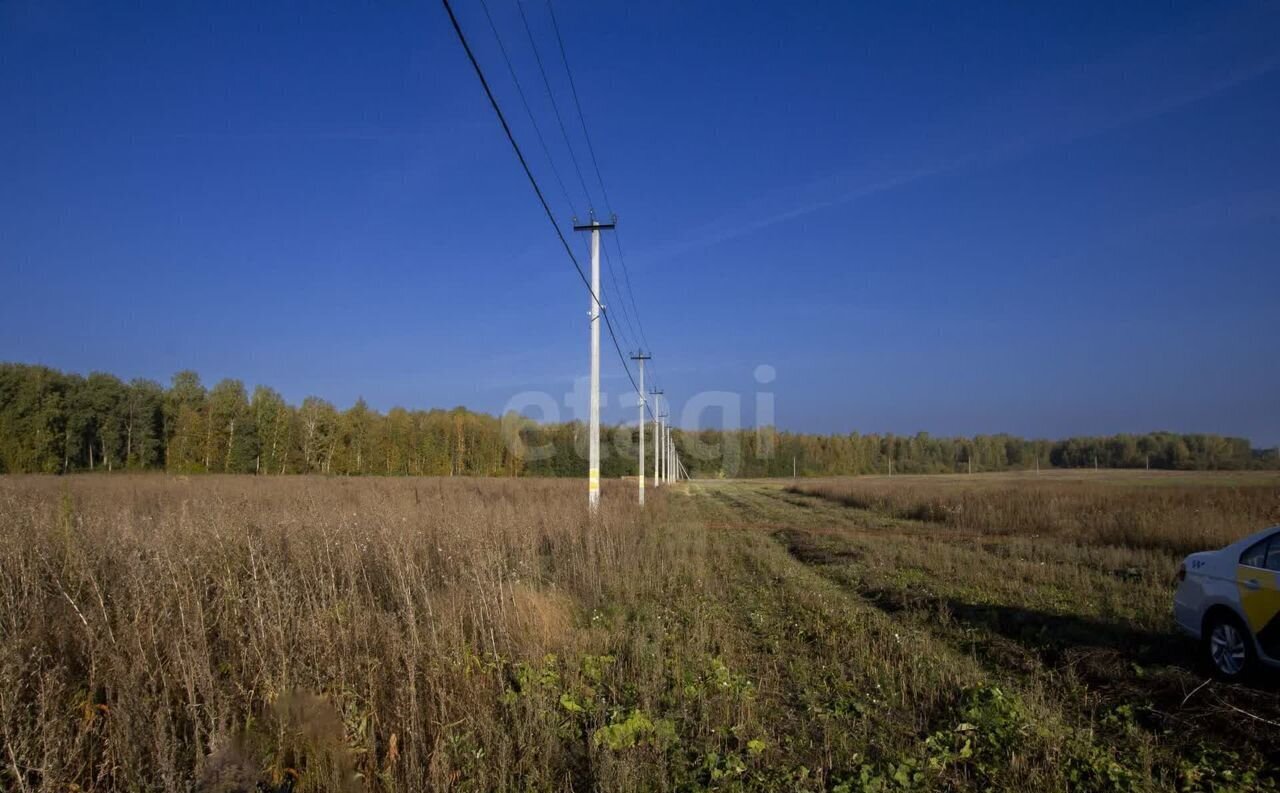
808, 651
1128, 682
878, 692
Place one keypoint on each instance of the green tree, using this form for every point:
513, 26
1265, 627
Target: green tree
185, 423
274, 421
144, 424
104, 397
357, 435
231, 437
319, 434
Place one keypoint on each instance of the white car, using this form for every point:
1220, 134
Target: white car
1230, 600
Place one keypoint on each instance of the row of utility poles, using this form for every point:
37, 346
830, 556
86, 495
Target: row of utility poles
667, 467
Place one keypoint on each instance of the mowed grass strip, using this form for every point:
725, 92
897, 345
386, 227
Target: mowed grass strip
1175, 512
1087, 624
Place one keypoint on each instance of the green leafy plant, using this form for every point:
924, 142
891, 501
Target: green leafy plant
635, 729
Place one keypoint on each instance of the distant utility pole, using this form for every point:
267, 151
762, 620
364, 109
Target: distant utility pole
793, 466
675, 456
657, 407
670, 465
670, 459
666, 451
593, 441
660, 448
641, 357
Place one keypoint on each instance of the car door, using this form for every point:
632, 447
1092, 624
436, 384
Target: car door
1258, 576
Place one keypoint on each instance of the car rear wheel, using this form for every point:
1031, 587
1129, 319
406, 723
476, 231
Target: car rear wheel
1228, 649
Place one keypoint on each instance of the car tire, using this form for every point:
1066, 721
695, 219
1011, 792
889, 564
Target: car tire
1227, 648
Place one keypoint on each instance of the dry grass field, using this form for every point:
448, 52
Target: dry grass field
1163, 510
947, 633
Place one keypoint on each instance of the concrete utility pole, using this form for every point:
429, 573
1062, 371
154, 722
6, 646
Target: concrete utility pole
671, 455
666, 450
660, 448
668, 459
657, 406
675, 455
641, 358
597, 308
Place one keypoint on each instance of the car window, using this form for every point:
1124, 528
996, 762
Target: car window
1273, 554
1255, 555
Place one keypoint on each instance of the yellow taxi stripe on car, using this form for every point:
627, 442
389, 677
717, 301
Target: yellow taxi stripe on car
1261, 603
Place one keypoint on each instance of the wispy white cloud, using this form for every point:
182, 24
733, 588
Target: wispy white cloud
1155, 77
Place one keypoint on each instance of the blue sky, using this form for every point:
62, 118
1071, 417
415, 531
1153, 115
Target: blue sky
1045, 219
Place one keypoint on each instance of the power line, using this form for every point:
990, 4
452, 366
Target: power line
639, 339
581, 118
630, 292
555, 108
525, 101
591, 149
533, 182
634, 339
629, 340
621, 303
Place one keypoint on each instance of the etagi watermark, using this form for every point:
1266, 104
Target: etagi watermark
705, 410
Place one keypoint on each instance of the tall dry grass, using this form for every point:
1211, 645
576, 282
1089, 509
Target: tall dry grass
212, 633
1173, 513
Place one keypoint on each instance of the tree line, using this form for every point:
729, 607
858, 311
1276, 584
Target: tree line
922, 453
56, 422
